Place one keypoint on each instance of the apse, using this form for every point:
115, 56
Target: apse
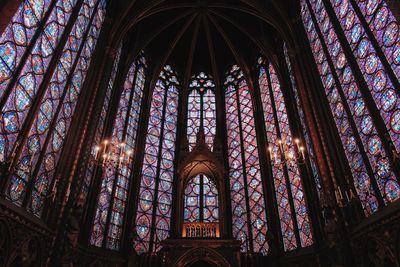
199, 133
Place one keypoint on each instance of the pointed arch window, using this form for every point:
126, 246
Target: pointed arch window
201, 109
248, 202
155, 195
201, 200
358, 109
111, 203
31, 148
292, 208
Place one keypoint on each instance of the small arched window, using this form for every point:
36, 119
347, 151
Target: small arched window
201, 200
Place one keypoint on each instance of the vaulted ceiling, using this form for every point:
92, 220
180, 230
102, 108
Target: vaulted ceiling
202, 35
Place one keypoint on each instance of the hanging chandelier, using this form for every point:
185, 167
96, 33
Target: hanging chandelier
283, 152
115, 154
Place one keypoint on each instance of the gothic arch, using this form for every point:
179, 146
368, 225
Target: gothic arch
201, 161
201, 254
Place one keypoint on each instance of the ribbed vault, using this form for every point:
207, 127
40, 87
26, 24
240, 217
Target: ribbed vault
201, 35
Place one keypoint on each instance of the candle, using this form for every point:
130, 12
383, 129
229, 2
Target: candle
280, 145
54, 191
129, 153
340, 193
351, 194
120, 160
122, 148
302, 152
96, 150
297, 141
337, 197
105, 145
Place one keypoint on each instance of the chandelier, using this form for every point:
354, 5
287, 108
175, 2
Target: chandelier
115, 154
283, 152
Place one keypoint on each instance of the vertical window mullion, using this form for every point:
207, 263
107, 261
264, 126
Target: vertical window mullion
202, 208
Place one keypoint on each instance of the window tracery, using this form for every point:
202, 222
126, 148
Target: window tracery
201, 109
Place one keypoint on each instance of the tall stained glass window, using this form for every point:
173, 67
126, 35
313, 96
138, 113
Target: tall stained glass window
90, 169
201, 109
153, 216
292, 208
28, 55
201, 200
303, 124
351, 103
111, 203
248, 203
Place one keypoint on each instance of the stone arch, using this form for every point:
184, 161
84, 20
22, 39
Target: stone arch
201, 161
201, 254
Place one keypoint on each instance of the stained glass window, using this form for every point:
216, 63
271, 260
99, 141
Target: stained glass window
303, 124
292, 208
201, 200
111, 203
35, 155
385, 28
153, 216
22, 93
201, 109
90, 169
373, 176
371, 66
17, 38
248, 204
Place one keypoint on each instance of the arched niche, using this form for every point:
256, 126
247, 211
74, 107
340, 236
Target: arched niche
201, 162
